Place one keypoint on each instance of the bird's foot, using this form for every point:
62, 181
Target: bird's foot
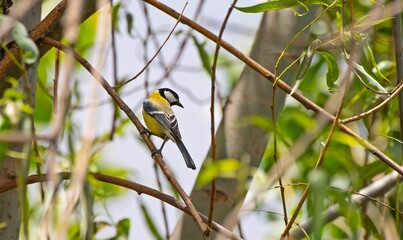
155, 151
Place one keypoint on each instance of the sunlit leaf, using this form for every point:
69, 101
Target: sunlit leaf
332, 70
279, 4
86, 37
223, 168
261, 122
345, 139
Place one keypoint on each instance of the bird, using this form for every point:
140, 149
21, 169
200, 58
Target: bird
161, 121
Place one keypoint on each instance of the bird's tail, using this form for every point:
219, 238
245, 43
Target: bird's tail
185, 154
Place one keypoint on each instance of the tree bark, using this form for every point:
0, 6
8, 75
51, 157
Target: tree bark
251, 97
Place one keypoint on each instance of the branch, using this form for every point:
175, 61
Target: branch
139, 188
395, 93
281, 84
143, 133
212, 110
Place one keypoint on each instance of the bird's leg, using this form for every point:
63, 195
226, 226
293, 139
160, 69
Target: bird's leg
158, 150
163, 145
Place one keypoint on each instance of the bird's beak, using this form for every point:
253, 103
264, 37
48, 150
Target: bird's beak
179, 104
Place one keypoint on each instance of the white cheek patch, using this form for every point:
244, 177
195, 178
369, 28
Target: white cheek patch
170, 97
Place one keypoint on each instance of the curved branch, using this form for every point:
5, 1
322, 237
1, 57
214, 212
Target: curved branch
376, 108
139, 188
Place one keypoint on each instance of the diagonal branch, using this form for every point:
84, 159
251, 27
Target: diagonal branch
281, 84
125, 108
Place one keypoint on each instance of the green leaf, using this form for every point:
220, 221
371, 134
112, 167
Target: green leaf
102, 190
43, 107
30, 52
122, 229
370, 56
372, 169
319, 183
129, 22
88, 32
223, 168
279, 4
305, 64
372, 81
361, 23
261, 122
115, 15
203, 54
5, 124
150, 222
87, 205
332, 70
345, 139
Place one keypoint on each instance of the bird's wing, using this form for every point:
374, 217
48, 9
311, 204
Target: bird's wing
165, 117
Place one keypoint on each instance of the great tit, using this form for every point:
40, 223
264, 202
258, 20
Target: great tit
161, 121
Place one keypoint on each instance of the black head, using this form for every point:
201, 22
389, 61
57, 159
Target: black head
171, 96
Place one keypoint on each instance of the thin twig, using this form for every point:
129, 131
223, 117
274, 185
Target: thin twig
56, 81
115, 72
376, 108
164, 213
173, 64
156, 54
212, 110
130, 114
